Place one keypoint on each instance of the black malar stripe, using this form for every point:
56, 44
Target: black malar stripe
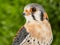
42, 16
33, 17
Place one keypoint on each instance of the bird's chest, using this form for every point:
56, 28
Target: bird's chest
38, 30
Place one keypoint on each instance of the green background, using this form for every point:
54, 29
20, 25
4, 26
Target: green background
11, 18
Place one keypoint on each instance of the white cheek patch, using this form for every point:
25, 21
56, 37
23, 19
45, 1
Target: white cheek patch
37, 15
29, 18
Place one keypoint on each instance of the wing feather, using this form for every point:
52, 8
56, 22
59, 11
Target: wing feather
20, 36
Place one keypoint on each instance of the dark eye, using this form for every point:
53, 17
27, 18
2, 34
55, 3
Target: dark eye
33, 9
23, 13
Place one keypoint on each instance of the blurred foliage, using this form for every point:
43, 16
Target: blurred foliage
11, 18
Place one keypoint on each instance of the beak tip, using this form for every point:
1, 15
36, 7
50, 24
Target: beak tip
23, 13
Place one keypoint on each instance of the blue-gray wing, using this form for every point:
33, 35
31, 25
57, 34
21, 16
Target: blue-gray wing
20, 36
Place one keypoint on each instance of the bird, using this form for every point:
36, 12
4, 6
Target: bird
37, 29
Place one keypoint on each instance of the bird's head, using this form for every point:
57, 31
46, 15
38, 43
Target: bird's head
34, 12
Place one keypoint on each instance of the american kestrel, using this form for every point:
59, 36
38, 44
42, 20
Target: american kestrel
37, 29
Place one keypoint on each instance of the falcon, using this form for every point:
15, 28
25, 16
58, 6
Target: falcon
37, 29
